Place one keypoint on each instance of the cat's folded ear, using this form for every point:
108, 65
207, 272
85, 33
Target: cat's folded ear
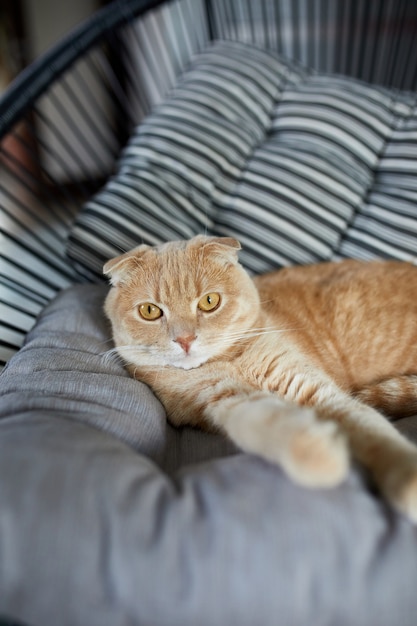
226, 247
119, 266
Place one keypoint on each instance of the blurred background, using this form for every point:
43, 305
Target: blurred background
28, 28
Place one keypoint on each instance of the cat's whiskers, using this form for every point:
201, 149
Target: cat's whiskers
257, 331
157, 376
111, 355
249, 334
114, 353
247, 331
269, 300
102, 343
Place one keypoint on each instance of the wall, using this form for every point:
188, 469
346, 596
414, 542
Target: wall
46, 21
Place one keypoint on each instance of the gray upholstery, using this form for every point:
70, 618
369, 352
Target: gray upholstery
110, 517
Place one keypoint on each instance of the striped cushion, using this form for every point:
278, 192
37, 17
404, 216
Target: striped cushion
300, 167
385, 225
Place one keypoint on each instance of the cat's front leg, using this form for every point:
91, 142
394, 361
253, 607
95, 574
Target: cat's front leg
312, 453
377, 444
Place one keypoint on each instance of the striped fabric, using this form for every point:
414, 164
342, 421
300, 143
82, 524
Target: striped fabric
300, 167
385, 225
70, 113
186, 157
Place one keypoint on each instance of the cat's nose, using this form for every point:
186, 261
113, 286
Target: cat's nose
185, 342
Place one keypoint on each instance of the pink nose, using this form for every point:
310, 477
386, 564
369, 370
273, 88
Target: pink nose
185, 342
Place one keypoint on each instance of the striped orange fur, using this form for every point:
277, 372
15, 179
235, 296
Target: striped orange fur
292, 365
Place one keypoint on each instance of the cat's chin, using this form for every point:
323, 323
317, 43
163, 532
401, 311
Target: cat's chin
189, 362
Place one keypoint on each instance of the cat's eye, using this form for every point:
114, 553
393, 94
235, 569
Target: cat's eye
150, 311
209, 302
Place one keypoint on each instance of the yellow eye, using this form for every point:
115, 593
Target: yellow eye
209, 302
150, 311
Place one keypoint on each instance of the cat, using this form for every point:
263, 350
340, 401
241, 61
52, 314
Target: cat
300, 366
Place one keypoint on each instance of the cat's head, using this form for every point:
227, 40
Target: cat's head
179, 303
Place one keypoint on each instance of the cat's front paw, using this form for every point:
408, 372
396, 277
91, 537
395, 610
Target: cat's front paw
312, 452
317, 455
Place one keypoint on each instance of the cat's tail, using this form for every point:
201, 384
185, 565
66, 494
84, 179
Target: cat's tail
395, 397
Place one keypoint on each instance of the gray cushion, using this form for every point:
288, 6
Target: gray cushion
108, 516
63, 369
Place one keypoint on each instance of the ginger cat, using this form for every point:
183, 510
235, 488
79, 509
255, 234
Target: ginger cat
291, 365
